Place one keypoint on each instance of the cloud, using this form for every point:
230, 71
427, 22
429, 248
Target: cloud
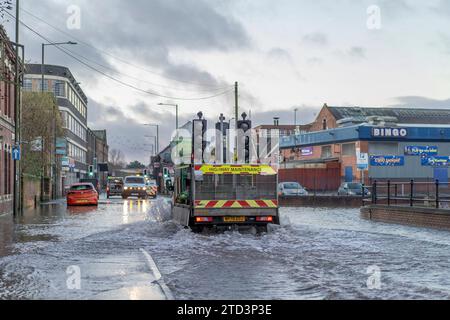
280, 55
129, 134
317, 39
313, 61
305, 115
421, 102
143, 32
357, 52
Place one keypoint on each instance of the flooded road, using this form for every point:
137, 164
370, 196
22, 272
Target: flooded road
317, 253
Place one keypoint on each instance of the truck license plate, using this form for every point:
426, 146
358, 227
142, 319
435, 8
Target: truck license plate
234, 219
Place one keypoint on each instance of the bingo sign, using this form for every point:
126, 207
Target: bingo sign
389, 132
387, 161
421, 151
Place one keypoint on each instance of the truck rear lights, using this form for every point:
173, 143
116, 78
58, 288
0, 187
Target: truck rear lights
204, 219
264, 219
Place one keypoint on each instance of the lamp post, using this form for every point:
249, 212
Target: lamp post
157, 135
295, 116
43, 58
176, 110
153, 145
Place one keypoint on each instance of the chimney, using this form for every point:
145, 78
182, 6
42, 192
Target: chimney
276, 121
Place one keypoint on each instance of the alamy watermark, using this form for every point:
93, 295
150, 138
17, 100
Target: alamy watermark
374, 17
74, 17
374, 280
73, 281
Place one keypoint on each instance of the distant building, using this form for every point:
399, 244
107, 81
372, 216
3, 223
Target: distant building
102, 155
374, 143
163, 162
72, 103
7, 122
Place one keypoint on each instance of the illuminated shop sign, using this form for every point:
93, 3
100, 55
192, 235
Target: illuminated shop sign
387, 161
306, 152
442, 161
421, 150
389, 132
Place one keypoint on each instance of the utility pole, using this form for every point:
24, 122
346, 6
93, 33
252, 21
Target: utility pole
236, 102
17, 171
236, 117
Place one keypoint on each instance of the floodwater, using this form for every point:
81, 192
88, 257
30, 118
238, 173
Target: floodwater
317, 253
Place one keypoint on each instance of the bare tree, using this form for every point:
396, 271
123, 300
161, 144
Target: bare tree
117, 159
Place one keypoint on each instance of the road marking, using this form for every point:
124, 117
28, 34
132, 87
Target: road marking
158, 277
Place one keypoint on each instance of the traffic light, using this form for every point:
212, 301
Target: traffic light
166, 173
91, 171
244, 126
199, 144
145, 173
221, 140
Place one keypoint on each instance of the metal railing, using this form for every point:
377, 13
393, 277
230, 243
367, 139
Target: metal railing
412, 193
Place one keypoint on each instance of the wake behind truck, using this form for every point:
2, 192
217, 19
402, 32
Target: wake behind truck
210, 195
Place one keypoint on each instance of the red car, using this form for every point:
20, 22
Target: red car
82, 194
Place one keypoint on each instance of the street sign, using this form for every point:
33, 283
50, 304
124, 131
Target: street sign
36, 145
65, 162
16, 153
362, 160
61, 152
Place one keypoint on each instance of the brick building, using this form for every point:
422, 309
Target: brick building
7, 123
394, 140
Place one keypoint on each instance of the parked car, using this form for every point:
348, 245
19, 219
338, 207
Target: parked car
352, 189
134, 186
82, 194
152, 188
291, 189
114, 187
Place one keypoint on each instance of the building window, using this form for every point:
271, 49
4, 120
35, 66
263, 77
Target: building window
349, 149
40, 85
59, 88
27, 85
326, 152
324, 124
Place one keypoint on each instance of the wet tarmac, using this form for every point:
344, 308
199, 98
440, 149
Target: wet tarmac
57, 252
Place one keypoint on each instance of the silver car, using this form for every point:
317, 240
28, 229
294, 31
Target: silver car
352, 189
291, 189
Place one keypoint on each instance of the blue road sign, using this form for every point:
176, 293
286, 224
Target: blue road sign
16, 153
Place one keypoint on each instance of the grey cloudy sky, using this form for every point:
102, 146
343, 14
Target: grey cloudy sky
285, 54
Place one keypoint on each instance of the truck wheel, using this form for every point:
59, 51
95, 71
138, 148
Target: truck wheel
261, 229
197, 229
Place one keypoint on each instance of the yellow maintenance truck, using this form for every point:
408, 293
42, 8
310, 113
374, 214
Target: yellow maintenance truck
226, 196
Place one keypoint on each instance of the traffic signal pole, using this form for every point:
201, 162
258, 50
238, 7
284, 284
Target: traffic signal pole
236, 115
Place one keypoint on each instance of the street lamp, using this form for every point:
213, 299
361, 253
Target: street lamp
176, 110
295, 117
43, 57
156, 142
157, 135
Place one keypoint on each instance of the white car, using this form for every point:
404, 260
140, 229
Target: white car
134, 186
291, 189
